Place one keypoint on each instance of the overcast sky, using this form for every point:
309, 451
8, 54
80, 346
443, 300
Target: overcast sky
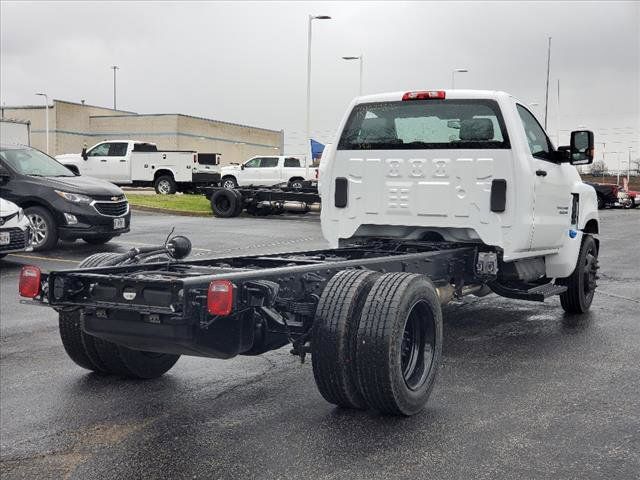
245, 62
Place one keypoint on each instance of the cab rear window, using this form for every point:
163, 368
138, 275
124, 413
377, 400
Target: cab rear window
425, 124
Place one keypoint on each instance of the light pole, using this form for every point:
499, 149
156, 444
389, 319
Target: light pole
629, 166
46, 117
453, 75
311, 19
114, 68
361, 58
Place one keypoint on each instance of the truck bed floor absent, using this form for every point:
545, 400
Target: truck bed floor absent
413, 222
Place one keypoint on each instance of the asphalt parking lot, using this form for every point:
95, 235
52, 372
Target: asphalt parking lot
524, 391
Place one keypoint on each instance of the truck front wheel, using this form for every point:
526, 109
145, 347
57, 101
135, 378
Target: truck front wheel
581, 285
165, 185
333, 344
399, 343
229, 183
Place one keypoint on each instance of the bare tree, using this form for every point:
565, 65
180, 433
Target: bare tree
599, 168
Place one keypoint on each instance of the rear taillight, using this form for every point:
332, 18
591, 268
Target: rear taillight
29, 281
220, 298
425, 95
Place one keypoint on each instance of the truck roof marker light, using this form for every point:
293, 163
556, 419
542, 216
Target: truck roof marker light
29, 285
220, 298
424, 95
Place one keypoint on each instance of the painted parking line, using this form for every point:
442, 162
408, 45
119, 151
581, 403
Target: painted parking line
51, 259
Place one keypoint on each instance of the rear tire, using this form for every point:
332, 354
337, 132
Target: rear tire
581, 285
296, 183
45, 230
240, 205
80, 347
600, 202
165, 185
102, 356
399, 343
224, 203
333, 345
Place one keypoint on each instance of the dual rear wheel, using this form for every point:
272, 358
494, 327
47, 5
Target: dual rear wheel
377, 341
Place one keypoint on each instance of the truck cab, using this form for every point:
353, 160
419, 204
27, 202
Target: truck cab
457, 165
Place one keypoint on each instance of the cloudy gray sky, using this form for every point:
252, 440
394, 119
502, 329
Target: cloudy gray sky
245, 62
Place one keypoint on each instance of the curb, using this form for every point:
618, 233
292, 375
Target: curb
143, 208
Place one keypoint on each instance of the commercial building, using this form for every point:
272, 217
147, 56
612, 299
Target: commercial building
73, 124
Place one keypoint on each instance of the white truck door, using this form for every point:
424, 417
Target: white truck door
118, 162
270, 171
250, 174
552, 188
96, 163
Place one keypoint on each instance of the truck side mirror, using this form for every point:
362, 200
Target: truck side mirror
84, 153
4, 175
242, 166
581, 150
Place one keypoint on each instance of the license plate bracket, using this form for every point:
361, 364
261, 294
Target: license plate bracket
5, 238
118, 223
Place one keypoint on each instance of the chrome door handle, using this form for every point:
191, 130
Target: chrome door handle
541, 173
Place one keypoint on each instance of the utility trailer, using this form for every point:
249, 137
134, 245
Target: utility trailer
261, 200
478, 202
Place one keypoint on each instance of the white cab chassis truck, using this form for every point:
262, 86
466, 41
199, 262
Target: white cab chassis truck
268, 171
141, 164
427, 196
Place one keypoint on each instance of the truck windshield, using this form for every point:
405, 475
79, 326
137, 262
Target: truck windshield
28, 161
425, 124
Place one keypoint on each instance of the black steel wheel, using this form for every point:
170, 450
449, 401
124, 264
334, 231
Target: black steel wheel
296, 183
399, 343
334, 336
582, 284
600, 202
224, 203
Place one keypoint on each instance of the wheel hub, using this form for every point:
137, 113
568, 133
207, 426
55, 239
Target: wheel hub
39, 229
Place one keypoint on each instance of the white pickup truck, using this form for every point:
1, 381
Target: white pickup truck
129, 162
427, 196
268, 171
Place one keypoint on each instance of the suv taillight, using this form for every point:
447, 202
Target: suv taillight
220, 298
29, 285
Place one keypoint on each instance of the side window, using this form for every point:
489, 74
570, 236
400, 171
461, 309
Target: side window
117, 149
253, 163
101, 150
269, 162
538, 140
292, 162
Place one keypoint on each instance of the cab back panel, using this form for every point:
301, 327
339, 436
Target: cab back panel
419, 188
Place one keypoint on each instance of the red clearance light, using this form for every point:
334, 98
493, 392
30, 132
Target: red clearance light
426, 95
29, 285
220, 298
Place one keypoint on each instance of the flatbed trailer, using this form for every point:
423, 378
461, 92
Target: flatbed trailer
261, 200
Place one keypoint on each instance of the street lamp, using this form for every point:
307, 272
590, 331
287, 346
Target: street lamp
46, 117
361, 58
453, 75
311, 18
114, 68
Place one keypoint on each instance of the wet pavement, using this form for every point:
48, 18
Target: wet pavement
524, 391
